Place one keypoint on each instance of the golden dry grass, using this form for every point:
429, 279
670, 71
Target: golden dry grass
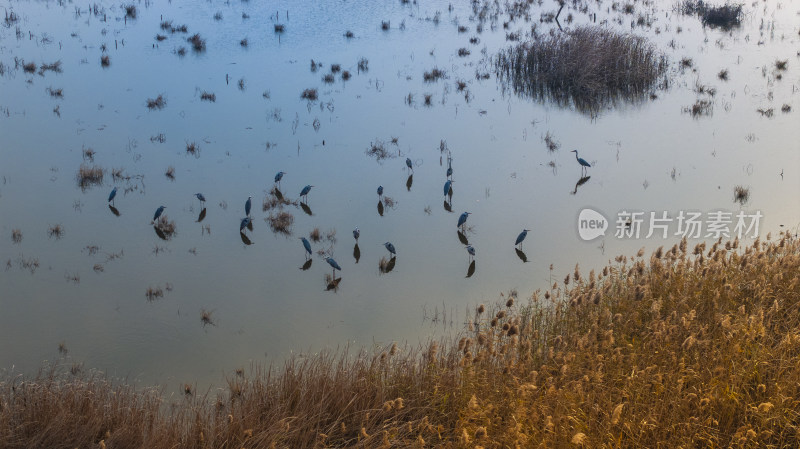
689, 348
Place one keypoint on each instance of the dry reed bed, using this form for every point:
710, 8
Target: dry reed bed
691, 347
588, 67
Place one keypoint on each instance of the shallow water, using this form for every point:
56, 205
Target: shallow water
648, 157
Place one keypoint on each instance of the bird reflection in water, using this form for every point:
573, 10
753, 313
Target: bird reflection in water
202, 215
306, 209
462, 238
409, 182
245, 239
580, 182
386, 266
113, 210
332, 283
448, 206
521, 255
356, 253
471, 269
307, 265
380, 208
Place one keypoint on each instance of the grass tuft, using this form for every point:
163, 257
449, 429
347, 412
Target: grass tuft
156, 103
587, 68
281, 222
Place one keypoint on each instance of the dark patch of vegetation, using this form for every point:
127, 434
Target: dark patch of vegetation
741, 194
768, 113
462, 52
363, 65
434, 75
377, 149
170, 173
16, 235
181, 51
192, 148
89, 176
105, 61
427, 100
52, 67
156, 103
55, 93
166, 226
198, 43
281, 222
207, 319
279, 28
336, 68
29, 67
550, 142
309, 94
346, 75
56, 231
700, 108
218, 16
724, 16
723, 75
208, 96
385, 25
244, 42
786, 108
589, 67
782, 65
349, 34
241, 84
160, 37
328, 78
130, 11
153, 293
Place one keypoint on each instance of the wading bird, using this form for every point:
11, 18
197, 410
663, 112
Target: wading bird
380, 191
306, 245
409, 164
279, 176
245, 222
334, 265
463, 219
158, 213
356, 234
247, 205
582, 161
390, 248
447, 186
112, 195
200, 197
521, 237
471, 251
304, 192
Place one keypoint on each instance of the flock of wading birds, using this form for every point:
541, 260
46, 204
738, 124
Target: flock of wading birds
462, 219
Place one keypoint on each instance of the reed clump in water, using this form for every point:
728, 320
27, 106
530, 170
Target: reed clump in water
587, 68
309, 94
156, 103
686, 345
198, 43
166, 226
89, 176
724, 16
281, 222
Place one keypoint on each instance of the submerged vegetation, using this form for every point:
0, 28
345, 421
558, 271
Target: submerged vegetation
690, 345
587, 68
724, 16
